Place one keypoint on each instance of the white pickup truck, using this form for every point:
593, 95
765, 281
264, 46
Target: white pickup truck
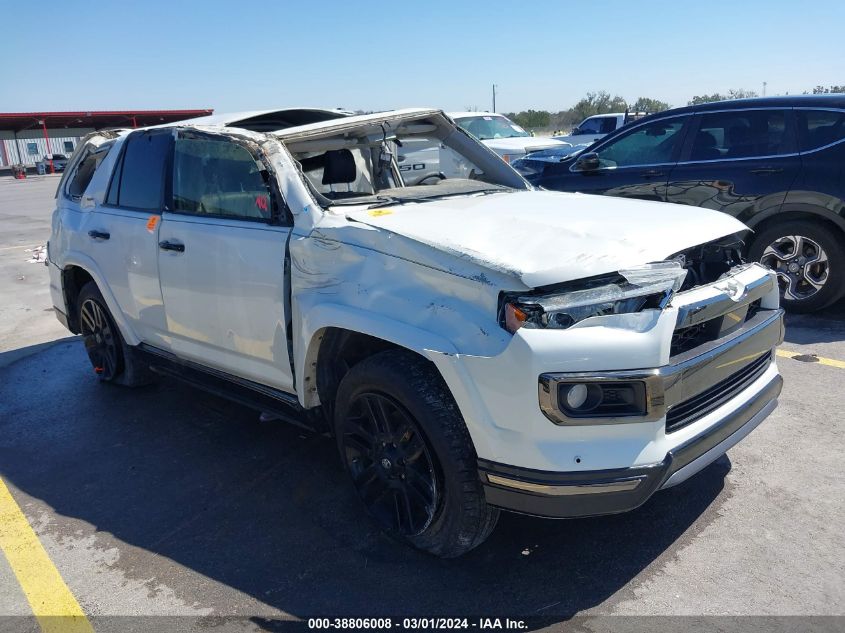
597, 126
419, 160
470, 343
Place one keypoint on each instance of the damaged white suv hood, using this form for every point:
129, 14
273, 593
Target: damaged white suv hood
544, 238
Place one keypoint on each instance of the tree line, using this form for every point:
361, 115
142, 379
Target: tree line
602, 102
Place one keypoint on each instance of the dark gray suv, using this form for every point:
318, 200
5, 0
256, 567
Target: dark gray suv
777, 164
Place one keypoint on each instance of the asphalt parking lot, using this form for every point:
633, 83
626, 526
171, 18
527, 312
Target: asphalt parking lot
166, 501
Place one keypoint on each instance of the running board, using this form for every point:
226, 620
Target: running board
246, 392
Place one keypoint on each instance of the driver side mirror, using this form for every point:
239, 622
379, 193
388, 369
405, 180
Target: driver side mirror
575, 131
587, 162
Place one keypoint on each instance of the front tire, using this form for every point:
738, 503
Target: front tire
407, 449
809, 261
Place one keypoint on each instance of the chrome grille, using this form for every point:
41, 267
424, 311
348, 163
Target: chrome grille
686, 338
692, 409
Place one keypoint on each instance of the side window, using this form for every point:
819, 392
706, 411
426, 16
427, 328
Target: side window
85, 171
741, 134
608, 124
817, 128
138, 180
218, 177
590, 126
650, 144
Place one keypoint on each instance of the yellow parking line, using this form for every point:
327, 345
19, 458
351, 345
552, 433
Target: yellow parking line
821, 360
52, 602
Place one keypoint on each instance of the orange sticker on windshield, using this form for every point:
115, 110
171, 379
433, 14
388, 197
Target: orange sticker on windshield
151, 223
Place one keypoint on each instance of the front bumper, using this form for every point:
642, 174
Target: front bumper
588, 493
705, 401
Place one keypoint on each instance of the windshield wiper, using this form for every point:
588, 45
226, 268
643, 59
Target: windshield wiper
385, 200
364, 199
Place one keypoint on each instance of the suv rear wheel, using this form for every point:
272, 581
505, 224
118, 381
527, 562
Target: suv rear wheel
809, 261
409, 454
112, 359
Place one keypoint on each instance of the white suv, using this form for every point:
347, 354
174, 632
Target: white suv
470, 343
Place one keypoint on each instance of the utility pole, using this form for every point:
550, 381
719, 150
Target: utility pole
494, 97
764, 88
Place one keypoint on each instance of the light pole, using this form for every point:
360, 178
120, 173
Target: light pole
494, 97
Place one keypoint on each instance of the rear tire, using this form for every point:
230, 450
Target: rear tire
407, 449
112, 359
809, 260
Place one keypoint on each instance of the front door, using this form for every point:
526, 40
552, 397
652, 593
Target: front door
741, 162
635, 164
222, 262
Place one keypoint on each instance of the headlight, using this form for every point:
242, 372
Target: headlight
526, 167
632, 290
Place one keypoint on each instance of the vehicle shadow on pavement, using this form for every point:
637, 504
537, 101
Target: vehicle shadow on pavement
12, 356
825, 326
265, 508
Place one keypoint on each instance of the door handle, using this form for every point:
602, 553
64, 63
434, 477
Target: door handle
171, 246
767, 170
99, 235
651, 173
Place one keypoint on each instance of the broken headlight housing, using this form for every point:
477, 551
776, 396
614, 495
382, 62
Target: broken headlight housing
631, 290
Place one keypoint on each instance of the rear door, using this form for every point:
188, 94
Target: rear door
741, 162
634, 164
122, 232
222, 261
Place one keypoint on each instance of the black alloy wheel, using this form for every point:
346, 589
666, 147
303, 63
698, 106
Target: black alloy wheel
99, 336
390, 464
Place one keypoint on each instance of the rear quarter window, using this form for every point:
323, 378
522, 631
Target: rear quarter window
84, 172
818, 128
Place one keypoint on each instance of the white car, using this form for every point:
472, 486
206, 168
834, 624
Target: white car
471, 344
598, 126
419, 161
502, 135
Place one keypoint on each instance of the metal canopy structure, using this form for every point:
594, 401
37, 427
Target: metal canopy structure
53, 123
20, 121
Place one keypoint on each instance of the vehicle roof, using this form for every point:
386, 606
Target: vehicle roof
296, 121
593, 116
456, 115
266, 120
354, 121
785, 101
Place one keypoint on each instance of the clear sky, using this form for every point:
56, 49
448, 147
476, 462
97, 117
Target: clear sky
370, 55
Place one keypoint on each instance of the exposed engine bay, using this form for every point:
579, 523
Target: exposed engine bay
707, 263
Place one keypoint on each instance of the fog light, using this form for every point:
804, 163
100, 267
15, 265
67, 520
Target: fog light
576, 396
602, 399
581, 397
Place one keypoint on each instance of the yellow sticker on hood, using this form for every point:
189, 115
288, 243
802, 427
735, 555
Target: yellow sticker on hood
378, 212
